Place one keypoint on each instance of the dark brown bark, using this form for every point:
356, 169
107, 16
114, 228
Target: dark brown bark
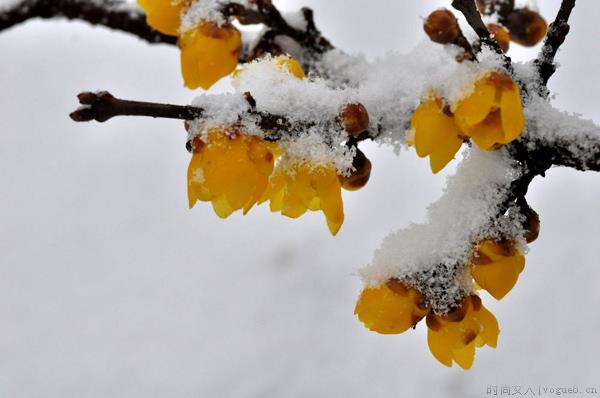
557, 33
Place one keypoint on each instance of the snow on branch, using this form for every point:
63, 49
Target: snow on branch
483, 200
291, 138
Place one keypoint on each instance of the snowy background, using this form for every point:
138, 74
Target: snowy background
111, 287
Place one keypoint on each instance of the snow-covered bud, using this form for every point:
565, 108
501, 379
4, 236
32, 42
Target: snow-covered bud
526, 27
361, 174
501, 35
483, 5
489, 7
354, 119
442, 27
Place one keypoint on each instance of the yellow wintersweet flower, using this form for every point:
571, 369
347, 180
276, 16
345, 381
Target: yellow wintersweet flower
454, 336
390, 308
231, 170
492, 114
291, 64
208, 53
496, 266
434, 133
301, 186
164, 15
282, 62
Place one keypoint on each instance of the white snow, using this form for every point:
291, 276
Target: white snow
455, 222
432, 256
549, 126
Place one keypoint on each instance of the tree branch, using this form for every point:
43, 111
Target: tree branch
469, 10
122, 16
114, 14
270, 16
557, 33
103, 106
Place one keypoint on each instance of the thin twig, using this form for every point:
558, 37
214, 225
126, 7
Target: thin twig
120, 15
103, 106
114, 14
557, 33
469, 10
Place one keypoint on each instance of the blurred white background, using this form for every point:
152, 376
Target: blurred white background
111, 287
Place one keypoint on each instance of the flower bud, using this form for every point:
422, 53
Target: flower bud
531, 225
526, 27
354, 119
360, 176
484, 5
501, 35
442, 27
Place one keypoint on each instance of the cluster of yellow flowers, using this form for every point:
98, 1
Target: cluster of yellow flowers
235, 171
394, 307
208, 51
491, 115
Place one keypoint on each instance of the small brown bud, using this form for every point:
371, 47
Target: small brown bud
526, 27
501, 35
463, 56
482, 6
531, 225
442, 27
354, 119
360, 176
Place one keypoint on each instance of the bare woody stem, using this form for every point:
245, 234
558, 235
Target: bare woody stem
103, 106
114, 14
557, 33
122, 16
469, 10
270, 16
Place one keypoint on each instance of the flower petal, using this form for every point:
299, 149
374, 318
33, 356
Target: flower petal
474, 108
490, 329
445, 150
208, 53
513, 119
438, 345
488, 134
384, 311
163, 15
430, 126
465, 356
